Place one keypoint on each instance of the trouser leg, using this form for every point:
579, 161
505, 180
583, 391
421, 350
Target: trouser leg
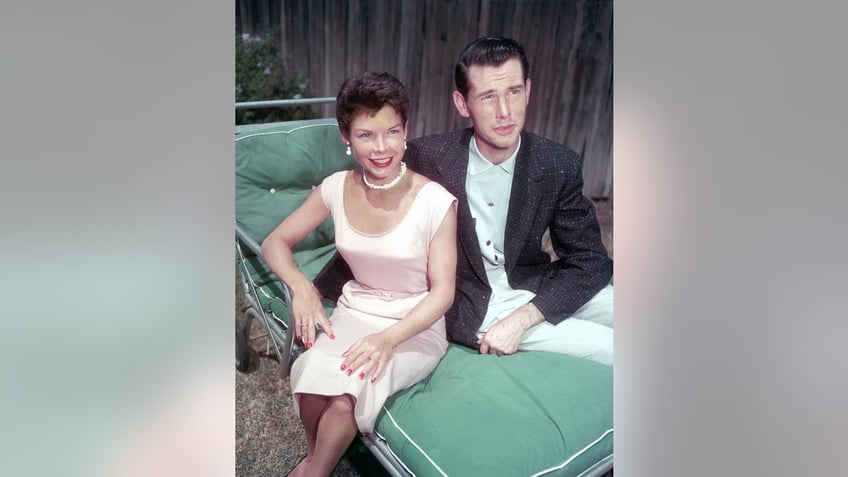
588, 333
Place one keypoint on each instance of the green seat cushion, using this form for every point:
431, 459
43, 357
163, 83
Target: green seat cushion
531, 413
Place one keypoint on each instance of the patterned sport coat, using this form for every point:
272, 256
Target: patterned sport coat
546, 192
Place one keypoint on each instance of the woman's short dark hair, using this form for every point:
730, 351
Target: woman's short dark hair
488, 51
368, 93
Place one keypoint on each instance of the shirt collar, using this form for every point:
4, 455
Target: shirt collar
477, 164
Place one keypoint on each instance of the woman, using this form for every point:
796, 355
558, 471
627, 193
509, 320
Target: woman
396, 229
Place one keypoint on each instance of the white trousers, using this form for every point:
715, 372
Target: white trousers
588, 333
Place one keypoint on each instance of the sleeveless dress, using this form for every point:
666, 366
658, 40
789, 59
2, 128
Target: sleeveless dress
390, 278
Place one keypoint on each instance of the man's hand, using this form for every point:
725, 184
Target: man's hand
504, 336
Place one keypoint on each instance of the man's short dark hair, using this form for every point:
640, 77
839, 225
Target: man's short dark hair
488, 51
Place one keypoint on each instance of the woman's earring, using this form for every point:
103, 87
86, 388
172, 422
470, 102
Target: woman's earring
404, 144
348, 150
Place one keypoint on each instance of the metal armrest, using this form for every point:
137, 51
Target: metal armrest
284, 354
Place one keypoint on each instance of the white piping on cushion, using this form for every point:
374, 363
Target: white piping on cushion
568, 461
273, 297
413, 443
580, 452
267, 133
391, 451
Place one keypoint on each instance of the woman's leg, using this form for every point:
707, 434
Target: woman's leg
311, 408
330, 428
336, 430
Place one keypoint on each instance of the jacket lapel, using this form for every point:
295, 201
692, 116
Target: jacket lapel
453, 166
523, 202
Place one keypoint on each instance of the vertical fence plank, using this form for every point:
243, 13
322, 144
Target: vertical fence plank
569, 45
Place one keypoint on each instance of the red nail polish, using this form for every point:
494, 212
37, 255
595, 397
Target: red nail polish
349, 372
361, 375
343, 367
308, 345
332, 337
373, 380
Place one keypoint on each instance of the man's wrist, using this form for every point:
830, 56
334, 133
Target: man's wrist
534, 313
523, 318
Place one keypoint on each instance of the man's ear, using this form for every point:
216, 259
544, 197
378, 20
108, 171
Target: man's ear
527, 90
461, 106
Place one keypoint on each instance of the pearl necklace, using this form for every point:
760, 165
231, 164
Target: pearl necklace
388, 185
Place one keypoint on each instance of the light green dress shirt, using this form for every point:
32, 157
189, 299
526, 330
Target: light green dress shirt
489, 187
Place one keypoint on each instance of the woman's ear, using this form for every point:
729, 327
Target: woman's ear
345, 138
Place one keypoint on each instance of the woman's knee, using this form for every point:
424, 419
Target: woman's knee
344, 401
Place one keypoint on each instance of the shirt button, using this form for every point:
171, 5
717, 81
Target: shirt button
491, 204
488, 242
273, 190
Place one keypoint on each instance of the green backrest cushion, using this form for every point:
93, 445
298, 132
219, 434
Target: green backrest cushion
276, 169
531, 413
310, 263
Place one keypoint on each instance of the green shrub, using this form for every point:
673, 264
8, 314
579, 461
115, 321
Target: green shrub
260, 76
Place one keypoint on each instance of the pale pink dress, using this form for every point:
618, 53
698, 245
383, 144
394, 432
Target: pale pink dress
390, 273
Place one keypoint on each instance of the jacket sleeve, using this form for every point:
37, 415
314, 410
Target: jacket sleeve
332, 278
583, 267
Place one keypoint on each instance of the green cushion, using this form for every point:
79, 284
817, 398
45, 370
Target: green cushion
474, 416
241, 129
276, 169
310, 262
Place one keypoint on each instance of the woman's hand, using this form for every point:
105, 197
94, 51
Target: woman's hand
368, 355
308, 311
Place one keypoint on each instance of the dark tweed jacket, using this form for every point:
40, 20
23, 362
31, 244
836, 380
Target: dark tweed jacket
546, 192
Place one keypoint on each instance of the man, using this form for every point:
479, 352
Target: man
513, 185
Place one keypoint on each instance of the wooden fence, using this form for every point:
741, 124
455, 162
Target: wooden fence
568, 43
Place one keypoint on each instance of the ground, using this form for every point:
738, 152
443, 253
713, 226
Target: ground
269, 438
